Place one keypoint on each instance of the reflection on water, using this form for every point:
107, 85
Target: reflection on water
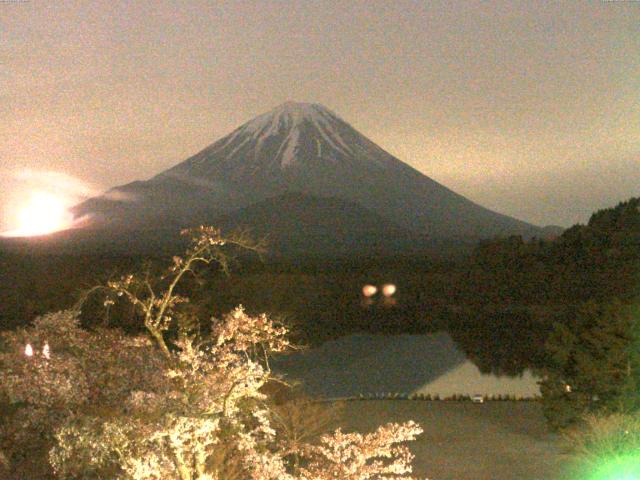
372, 364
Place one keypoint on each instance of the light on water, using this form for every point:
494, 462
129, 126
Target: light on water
369, 290
389, 290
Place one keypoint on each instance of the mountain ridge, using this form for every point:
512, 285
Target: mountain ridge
305, 148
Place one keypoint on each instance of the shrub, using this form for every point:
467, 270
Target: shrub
71, 371
606, 446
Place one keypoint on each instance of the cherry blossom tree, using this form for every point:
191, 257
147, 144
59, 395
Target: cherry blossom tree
157, 298
353, 456
66, 371
215, 398
191, 408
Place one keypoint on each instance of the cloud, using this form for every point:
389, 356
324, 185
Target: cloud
68, 187
119, 196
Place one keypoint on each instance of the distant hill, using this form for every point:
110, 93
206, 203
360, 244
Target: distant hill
296, 223
597, 261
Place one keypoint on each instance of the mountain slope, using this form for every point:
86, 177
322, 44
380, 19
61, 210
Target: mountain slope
298, 147
301, 224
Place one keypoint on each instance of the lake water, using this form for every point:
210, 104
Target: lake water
406, 364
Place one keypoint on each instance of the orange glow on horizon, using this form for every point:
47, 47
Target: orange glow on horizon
43, 214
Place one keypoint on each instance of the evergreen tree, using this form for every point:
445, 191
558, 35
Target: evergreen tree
594, 363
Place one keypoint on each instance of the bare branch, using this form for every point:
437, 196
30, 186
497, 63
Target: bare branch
158, 304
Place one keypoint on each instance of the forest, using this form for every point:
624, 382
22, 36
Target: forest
503, 289
565, 307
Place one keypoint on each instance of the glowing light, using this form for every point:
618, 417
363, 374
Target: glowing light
28, 350
626, 467
369, 291
389, 289
45, 213
46, 351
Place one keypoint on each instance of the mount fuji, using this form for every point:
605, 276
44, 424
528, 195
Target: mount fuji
299, 169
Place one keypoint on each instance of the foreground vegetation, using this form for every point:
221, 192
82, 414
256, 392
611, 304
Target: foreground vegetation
605, 447
179, 402
565, 307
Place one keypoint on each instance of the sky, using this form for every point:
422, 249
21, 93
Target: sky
529, 108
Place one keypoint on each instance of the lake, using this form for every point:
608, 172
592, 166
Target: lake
405, 364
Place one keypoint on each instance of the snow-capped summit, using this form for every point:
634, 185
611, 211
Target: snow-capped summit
288, 114
291, 135
294, 118
301, 148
